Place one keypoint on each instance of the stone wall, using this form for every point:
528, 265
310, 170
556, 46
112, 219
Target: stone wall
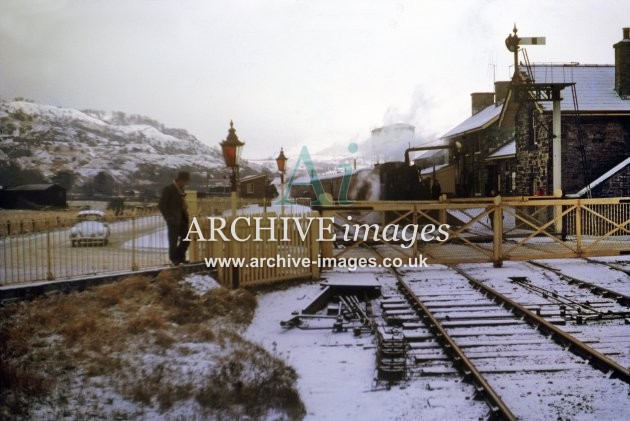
533, 151
616, 186
606, 141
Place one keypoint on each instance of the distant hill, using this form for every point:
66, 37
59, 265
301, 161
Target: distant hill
126, 150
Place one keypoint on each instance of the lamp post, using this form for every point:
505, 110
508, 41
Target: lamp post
458, 166
231, 148
281, 161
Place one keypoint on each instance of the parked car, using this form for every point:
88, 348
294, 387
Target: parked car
90, 228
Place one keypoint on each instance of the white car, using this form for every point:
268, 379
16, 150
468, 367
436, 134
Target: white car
90, 228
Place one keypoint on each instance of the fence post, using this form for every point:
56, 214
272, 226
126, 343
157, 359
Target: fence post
326, 246
497, 240
415, 240
314, 249
442, 218
192, 206
578, 227
234, 272
49, 274
134, 264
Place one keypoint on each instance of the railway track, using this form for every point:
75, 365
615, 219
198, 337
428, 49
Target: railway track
598, 319
516, 357
611, 290
618, 267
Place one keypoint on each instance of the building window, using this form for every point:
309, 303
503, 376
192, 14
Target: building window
533, 130
513, 181
250, 188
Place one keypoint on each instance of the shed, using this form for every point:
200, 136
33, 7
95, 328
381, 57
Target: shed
255, 187
33, 196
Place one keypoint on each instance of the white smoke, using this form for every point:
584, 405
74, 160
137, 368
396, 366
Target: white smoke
367, 186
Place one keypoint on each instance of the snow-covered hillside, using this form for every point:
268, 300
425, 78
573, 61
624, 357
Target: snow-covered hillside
133, 149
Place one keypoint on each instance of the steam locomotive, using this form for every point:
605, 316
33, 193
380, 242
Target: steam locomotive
387, 181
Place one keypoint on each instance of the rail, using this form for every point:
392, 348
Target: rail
465, 365
595, 358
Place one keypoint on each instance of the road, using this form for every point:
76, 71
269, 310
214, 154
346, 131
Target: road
42, 256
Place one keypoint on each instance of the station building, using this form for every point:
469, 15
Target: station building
506, 145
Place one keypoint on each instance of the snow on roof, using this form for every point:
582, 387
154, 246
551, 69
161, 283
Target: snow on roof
595, 86
305, 179
258, 210
614, 170
506, 151
429, 170
252, 177
479, 121
32, 187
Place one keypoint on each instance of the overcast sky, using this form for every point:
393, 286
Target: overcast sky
289, 72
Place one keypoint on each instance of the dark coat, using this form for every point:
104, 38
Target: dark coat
173, 206
436, 191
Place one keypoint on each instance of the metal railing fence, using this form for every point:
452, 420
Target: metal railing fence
39, 247
42, 249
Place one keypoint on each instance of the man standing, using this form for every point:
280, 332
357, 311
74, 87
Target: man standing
436, 190
173, 208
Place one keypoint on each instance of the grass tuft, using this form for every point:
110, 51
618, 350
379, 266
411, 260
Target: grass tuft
250, 382
105, 333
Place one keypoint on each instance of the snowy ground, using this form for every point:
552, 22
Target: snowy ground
337, 369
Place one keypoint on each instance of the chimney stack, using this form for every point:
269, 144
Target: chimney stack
622, 65
501, 89
481, 100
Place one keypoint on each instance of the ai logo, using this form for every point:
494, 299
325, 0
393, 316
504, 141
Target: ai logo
315, 182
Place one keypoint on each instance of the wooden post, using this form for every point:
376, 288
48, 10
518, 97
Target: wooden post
326, 246
497, 241
415, 240
134, 264
49, 274
443, 218
578, 227
234, 203
233, 273
314, 249
193, 207
557, 214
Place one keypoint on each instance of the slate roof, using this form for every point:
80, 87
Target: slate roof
506, 151
595, 85
479, 121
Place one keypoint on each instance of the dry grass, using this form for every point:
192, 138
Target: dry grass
16, 222
29, 221
250, 382
106, 332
